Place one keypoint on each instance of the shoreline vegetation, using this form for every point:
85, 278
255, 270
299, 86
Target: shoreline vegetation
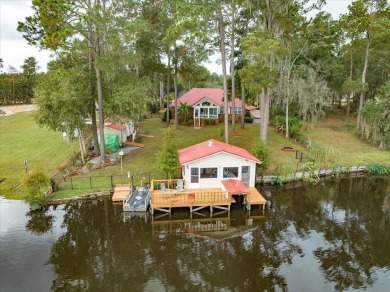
47, 150
271, 181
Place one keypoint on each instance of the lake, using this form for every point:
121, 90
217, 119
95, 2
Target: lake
331, 236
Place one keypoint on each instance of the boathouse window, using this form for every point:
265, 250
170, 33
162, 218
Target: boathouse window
194, 175
210, 172
230, 172
245, 175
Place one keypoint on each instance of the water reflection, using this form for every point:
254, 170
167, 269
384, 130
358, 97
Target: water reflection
40, 222
336, 234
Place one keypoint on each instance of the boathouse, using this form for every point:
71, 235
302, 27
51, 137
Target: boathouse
212, 172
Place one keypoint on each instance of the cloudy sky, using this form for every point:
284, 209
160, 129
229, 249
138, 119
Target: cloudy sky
14, 48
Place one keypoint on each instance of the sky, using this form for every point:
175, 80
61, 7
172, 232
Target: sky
14, 48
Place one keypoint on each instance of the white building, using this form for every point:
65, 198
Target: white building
208, 164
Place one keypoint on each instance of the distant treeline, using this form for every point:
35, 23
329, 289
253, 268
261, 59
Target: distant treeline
18, 86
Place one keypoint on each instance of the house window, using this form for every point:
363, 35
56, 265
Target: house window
213, 112
194, 175
238, 110
204, 112
210, 172
208, 112
230, 172
221, 110
245, 175
196, 112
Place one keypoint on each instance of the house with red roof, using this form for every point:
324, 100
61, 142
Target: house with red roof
214, 164
214, 175
207, 103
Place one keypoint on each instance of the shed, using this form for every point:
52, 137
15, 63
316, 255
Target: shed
255, 114
117, 129
111, 141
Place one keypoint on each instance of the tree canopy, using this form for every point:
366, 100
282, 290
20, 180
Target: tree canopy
122, 57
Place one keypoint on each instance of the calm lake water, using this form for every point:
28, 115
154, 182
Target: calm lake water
334, 236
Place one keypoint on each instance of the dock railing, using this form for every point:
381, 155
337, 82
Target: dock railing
190, 197
170, 184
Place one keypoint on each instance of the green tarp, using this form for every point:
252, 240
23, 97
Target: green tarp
111, 141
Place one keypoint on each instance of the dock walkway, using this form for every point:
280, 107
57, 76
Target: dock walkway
196, 199
120, 192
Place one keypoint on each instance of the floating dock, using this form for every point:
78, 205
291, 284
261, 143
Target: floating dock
137, 201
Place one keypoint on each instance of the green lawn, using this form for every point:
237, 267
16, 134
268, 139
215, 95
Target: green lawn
22, 139
332, 131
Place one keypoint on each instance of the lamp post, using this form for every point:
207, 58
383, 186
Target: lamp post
121, 156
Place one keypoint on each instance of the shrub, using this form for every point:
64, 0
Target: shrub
378, 169
295, 125
284, 169
303, 140
190, 122
248, 120
164, 117
261, 151
323, 155
36, 181
138, 138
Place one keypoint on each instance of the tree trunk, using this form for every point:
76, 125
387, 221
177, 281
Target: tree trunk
94, 130
243, 107
263, 137
175, 85
266, 118
221, 30
93, 106
93, 111
350, 95
232, 72
287, 99
161, 93
361, 101
168, 85
82, 147
101, 116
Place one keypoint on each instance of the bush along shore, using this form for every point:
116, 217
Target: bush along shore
313, 176
305, 175
89, 196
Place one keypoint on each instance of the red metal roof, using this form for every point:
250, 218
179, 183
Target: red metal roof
211, 147
117, 127
235, 187
195, 95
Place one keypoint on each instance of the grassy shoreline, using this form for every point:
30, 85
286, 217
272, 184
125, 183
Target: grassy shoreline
22, 139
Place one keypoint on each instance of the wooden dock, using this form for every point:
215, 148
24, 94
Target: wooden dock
196, 199
120, 192
254, 198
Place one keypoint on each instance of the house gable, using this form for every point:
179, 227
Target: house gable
204, 101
